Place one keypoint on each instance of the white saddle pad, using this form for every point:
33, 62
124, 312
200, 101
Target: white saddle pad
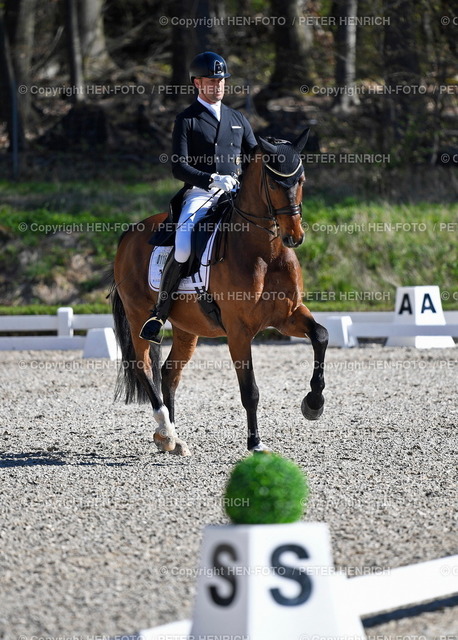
193, 283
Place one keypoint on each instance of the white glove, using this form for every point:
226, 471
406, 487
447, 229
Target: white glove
226, 183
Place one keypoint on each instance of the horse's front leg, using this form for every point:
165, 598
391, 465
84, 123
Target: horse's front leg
301, 324
240, 348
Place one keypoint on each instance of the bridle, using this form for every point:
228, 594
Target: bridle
292, 209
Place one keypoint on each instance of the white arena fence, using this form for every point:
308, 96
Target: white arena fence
345, 329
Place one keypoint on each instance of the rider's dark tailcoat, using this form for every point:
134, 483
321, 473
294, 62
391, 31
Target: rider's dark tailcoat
202, 145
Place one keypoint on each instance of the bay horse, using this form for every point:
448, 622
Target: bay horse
259, 261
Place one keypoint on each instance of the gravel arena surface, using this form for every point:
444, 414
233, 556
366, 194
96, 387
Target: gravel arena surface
100, 532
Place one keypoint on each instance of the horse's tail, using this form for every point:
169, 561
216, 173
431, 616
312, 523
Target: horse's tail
128, 382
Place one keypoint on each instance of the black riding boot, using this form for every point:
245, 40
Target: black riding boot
170, 281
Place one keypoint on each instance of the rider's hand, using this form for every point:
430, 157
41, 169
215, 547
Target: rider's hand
226, 183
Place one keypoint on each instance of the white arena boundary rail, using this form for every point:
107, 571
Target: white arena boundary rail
345, 328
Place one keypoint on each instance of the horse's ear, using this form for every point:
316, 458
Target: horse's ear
301, 141
266, 146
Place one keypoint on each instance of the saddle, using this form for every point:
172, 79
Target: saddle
201, 233
165, 235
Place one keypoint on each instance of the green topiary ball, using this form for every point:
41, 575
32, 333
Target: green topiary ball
266, 489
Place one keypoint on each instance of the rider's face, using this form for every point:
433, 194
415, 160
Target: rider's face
210, 89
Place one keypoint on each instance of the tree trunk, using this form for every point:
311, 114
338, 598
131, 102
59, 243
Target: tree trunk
96, 59
211, 34
405, 107
20, 23
184, 49
400, 54
74, 51
9, 110
293, 41
345, 12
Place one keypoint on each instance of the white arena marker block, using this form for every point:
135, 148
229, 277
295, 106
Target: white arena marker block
337, 327
266, 582
100, 343
419, 306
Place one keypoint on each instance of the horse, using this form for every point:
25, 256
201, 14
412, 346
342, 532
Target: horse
259, 261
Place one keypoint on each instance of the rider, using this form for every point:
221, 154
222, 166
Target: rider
208, 140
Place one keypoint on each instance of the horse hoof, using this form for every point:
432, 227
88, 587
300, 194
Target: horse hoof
261, 448
181, 448
164, 443
308, 412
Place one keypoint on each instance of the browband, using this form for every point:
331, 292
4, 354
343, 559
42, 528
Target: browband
284, 175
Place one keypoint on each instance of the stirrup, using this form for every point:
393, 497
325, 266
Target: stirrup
151, 329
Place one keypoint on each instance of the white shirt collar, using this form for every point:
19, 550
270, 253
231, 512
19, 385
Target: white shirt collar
213, 108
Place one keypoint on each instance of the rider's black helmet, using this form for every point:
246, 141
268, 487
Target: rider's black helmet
208, 65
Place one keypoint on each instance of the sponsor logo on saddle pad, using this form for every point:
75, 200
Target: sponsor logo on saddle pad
192, 284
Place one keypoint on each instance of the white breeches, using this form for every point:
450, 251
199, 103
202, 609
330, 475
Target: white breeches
196, 203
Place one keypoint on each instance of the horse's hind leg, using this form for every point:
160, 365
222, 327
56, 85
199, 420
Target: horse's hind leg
146, 369
302, 324
183, 347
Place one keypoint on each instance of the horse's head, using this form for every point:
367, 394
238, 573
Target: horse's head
282, 180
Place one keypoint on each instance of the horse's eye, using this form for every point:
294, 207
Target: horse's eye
272, 184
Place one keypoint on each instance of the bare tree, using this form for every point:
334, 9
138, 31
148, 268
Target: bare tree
211, 33
405, 107
96, 59
9, 110
20, 24
74, 51
293, 39
184, 45
345, 12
